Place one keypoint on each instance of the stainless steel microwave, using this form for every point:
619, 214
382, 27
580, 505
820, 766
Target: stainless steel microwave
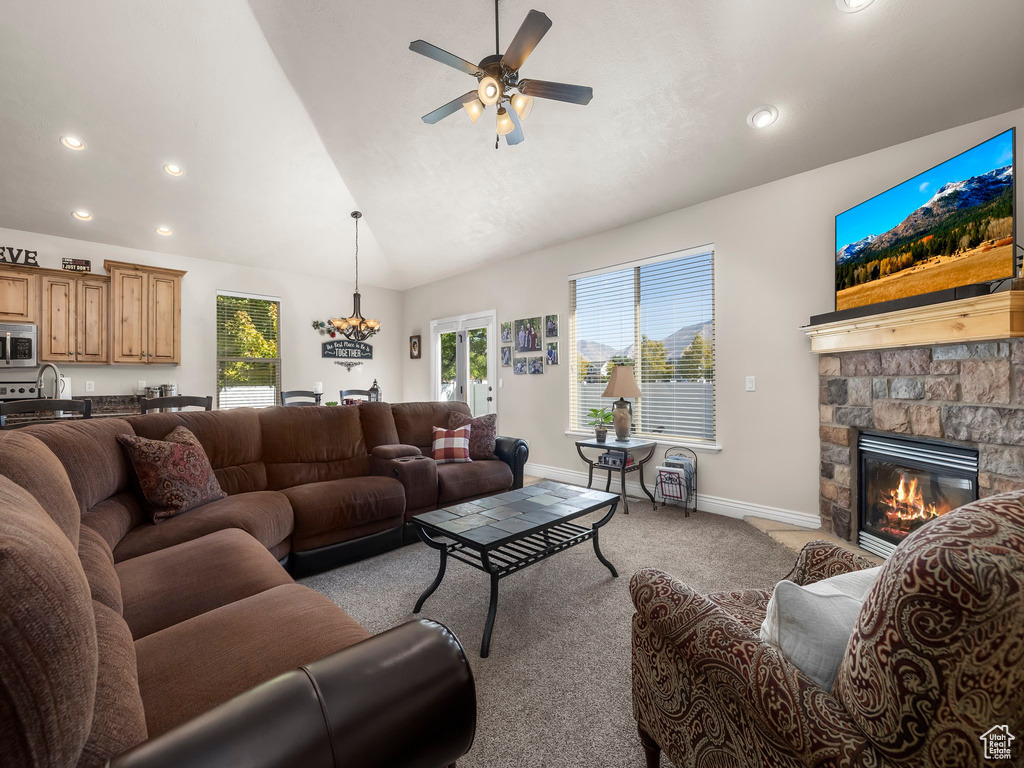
18, 345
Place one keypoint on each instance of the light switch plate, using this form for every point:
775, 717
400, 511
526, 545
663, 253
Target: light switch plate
90, 386
751, 384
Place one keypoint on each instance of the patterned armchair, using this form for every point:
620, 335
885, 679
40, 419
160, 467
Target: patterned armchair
935, 661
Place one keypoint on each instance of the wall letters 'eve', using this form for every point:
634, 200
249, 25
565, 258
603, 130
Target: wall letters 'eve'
18, 256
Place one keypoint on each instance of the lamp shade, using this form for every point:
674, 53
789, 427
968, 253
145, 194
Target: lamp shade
622, 383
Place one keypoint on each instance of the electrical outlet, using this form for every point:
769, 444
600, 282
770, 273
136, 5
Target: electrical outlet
501, 383
751, 384
142, 386
90, 386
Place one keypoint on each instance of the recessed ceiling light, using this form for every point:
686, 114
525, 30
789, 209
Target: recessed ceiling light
164, 231
762, 117
174, 170
72, 142
82, 215
852, 6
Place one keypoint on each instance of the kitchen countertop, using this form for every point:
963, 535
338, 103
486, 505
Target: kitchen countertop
103, 407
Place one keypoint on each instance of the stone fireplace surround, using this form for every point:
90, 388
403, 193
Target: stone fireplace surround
969, 394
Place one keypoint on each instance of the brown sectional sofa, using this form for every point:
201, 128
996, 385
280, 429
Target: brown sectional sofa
187, 642
318, 487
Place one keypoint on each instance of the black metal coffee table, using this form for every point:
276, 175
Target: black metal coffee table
502, 534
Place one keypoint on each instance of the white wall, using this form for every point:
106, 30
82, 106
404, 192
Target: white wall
773, 270
303, 299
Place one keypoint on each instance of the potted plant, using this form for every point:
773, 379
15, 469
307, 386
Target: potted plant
600, 418
331, 403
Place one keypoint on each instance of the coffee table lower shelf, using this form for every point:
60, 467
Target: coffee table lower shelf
511, 556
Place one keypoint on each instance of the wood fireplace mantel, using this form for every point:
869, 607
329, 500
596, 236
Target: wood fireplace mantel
981, 318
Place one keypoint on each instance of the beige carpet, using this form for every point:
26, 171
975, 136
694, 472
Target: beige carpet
555, 690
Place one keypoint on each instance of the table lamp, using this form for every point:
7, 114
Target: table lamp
622, 384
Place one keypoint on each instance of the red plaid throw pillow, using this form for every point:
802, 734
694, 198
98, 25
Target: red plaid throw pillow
451, 445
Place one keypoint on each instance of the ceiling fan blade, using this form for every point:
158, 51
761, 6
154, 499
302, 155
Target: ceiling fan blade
517, 135
433, 52
450, 108
535, 26
542, 89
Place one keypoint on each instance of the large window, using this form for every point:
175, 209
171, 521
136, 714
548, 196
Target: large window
657, 316
248, 353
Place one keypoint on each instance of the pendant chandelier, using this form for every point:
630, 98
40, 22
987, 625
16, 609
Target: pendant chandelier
356, 327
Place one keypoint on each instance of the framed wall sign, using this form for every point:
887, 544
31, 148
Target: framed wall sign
344, 349
76, 265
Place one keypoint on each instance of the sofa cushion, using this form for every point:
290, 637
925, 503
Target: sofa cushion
461, 481
378, 424
232, 440
98, 564
265, 515
27, 461
483, 433
310, 445
190, 667
451, 446
47, 637
91, 455
415, 422
174, 474
172, 585
118, 721
336, 510
112, 518
935, 657
812, 624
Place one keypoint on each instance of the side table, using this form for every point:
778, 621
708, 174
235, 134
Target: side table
623, 447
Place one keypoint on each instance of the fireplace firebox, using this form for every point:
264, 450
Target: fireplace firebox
905, 482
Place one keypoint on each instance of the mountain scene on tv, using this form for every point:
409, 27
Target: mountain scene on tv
947, 227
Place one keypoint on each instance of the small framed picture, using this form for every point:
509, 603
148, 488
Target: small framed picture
506, 332
506, 357
519, 366
551, 326
414, 347
528, 335
536, 364
552, 353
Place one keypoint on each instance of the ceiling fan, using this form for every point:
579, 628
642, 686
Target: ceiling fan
499, 82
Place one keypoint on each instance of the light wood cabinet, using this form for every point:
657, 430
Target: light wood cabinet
58, 326
145, 311
74, 321
19, 296
92, 302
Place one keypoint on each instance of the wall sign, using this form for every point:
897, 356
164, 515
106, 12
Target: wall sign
76, 265
18, 256
346, 350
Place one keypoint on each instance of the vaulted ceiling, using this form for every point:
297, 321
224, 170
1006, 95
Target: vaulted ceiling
287, 115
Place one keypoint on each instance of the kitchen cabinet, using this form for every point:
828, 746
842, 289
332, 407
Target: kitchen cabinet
74, 324
145, 314
58, 325
19, 292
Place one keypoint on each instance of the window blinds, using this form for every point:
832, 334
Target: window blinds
658, 317
248, 353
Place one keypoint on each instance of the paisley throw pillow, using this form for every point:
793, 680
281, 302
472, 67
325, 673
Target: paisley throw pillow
174, 474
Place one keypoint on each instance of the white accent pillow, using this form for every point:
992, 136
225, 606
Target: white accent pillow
811, 625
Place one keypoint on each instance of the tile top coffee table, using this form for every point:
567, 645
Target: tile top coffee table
502, 534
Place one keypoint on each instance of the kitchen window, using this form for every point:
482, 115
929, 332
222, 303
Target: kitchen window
658, 316
248, 350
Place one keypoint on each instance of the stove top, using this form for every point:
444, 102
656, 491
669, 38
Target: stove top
17, 390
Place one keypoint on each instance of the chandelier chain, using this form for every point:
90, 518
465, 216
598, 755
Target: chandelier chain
357, 255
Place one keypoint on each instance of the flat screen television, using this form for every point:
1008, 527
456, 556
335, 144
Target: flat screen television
951, 226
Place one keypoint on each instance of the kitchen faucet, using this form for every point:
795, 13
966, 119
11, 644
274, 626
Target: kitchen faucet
56, 380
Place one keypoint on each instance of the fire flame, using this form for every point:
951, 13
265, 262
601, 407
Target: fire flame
905, 505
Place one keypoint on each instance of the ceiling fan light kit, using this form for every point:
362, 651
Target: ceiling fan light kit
498, 80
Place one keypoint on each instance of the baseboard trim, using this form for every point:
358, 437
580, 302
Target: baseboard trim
716, 505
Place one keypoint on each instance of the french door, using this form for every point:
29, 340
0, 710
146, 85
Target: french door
463, 354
